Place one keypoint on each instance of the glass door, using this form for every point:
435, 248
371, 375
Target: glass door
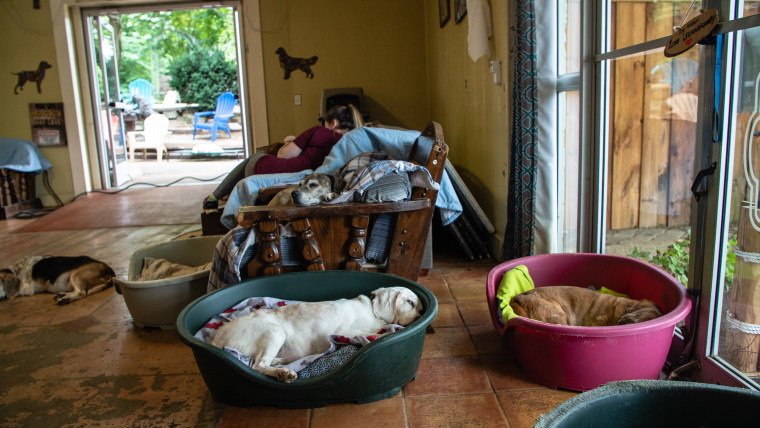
109, 118
733, 341
676, 150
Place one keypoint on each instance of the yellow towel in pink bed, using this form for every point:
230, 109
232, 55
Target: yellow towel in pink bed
514, 282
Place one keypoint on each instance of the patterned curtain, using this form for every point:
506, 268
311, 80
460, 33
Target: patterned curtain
518, 237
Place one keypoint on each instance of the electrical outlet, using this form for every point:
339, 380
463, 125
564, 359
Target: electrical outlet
297, 99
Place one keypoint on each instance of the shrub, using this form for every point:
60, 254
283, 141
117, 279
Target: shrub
200, 77
675, 259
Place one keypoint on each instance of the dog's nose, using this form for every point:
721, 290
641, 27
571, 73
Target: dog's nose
295, 194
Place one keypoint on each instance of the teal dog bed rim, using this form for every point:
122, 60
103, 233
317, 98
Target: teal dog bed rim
429, 302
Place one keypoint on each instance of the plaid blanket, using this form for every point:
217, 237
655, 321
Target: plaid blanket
234, 250
364, 170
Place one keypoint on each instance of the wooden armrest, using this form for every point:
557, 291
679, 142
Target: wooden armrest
247, 216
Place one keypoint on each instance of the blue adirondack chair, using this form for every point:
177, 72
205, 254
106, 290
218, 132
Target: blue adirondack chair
225, 103
144, 89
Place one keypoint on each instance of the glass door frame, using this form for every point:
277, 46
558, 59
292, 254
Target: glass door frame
113, 169
126, 8
712, 215
708, 234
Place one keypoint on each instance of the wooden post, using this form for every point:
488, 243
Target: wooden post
742, 347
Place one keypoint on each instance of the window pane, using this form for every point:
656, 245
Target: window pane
738, 342
651, 144
569, 168
751, 8
633, 22
569, 43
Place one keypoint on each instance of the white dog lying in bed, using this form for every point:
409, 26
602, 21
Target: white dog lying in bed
288, 333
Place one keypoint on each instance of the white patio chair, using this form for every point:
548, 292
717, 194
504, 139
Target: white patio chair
156, 128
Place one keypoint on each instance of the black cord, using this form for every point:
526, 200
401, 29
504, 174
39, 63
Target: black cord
107, 192
35, 213
46, 183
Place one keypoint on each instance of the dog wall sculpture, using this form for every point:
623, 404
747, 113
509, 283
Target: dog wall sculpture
32, 76
290, 64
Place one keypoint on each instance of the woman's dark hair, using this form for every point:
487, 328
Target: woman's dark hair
347, 117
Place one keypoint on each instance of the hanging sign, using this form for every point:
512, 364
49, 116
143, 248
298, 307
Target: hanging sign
48, 128
691, 33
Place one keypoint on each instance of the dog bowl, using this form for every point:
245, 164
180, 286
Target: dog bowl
157, 303
582, 358
656, 403
376, 371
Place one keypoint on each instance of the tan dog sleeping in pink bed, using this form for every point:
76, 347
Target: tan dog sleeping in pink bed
577, 306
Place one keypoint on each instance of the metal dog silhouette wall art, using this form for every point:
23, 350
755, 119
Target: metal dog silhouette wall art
291, 64
32, 76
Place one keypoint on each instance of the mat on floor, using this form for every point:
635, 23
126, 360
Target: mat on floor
154, 206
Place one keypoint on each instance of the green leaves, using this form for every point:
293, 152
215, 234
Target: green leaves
675, 259
201, 77
150, 43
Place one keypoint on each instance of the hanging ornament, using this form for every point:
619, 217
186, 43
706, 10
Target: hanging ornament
691, 33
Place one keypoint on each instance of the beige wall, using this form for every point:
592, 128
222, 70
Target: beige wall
475, 113
27, 36
376, 45
411, 70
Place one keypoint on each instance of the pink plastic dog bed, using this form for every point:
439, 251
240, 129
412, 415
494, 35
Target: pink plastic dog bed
583, 358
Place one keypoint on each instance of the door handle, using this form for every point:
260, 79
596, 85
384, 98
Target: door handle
701, 175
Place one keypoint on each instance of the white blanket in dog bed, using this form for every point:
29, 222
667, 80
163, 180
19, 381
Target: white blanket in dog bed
338, 349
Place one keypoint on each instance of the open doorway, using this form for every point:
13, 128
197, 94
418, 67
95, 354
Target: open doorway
166, 82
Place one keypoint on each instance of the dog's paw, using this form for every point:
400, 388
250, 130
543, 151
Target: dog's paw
286, 375
61, 299
329, 197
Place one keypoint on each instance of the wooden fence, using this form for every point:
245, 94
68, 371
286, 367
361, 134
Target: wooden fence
653, 122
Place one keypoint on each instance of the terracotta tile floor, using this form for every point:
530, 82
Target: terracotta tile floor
86, 364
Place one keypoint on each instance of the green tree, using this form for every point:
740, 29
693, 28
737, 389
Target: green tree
150, 42
200, 77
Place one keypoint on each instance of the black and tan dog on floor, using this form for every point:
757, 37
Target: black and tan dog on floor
69, 278
311, 190
291, 64
578, 306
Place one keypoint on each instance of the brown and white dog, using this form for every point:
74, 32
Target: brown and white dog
578, 306
69, 278
311, 190
288, 333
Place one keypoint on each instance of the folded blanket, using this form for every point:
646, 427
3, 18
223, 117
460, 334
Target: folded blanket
365, 170
154, 269
235, 249
22, 155
333, 357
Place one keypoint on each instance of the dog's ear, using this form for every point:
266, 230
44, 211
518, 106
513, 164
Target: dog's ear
382, 304
11, 284
336, 183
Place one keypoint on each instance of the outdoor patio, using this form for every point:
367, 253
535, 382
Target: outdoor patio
181, 162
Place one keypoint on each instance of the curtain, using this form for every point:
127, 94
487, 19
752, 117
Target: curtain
521, 197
